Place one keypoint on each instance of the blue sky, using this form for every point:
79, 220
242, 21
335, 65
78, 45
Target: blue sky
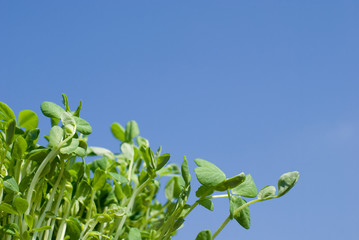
263, 87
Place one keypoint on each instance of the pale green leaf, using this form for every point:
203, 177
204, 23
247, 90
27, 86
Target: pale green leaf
131, 130
56, 136
267, 192
208, 174
134, 234
83, 126
286, 182
242, 216
246, 189
52, 110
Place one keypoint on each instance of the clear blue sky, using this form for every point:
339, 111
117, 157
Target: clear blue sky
263, 87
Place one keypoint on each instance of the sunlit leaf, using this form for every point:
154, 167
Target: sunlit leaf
28, 119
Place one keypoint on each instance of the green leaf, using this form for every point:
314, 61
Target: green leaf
131, 130
127, 150
10, 184
73, 228
32, 136
28, 119
142, 141
29, 221
174, 187
70, 147
286, 182
134, 234
65, 101
206, 203
19, 148
118, 177
235, 181
185, 171
10, 131
230, 182
101, 163
118, 131
52, 110
99, 179
8, 208
266, 192
246, 189
6, 113
40, 229
162, 160
56, 136
83, 126
69, 123
11, 229
208, 174
148, 157
99, 151
203, 191
83, 191
20, 205
78, 109
243, 216
204, 235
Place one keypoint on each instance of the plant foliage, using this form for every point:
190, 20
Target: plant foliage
51, 192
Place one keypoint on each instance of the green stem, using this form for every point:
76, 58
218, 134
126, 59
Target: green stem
57, 205
89, 213
130, 205
51, 199
51, 156
221, 227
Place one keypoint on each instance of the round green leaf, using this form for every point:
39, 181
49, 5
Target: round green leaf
19, 147
69, 123
5, 112
118, 131
266, 192
52, 110
20, 205
131, 131
286, 182
134, 234
56, 135
28, 119
83, 126
208, 174
204, 235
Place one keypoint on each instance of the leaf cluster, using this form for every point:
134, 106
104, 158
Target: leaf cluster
52, 192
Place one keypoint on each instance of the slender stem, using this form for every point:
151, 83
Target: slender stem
221, 227
57, 205
51, 199
89, 213
229, 195
34, 181
130, 205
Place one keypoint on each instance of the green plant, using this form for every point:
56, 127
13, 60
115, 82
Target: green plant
50, 192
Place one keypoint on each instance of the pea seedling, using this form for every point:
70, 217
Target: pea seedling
51, 192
